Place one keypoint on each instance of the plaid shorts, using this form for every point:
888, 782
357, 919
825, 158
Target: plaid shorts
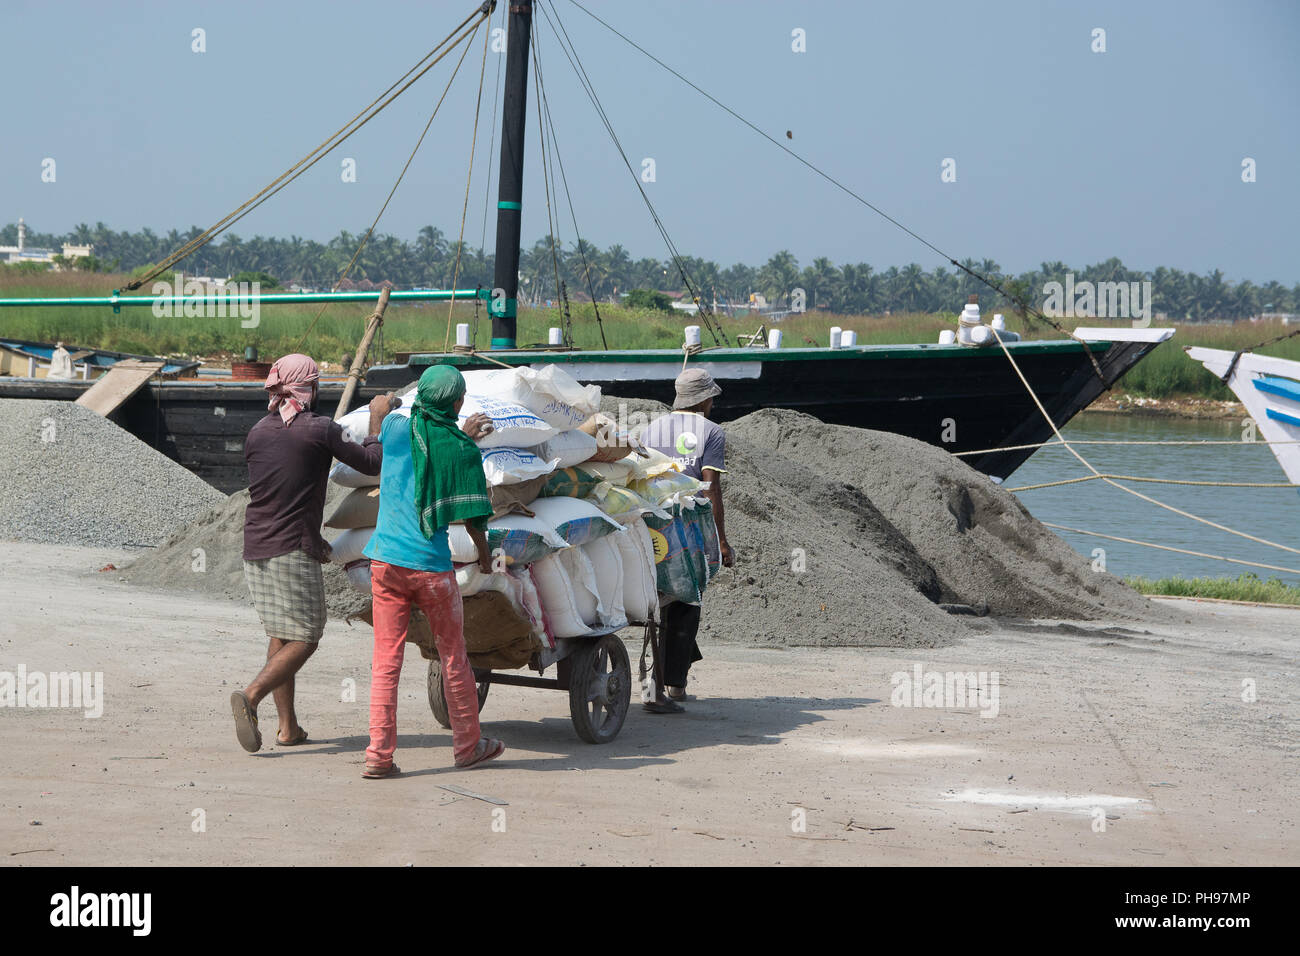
289, 594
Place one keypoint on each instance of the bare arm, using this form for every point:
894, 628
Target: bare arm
714, 494
479, 537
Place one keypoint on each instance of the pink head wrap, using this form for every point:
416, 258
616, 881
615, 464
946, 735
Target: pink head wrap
290, 384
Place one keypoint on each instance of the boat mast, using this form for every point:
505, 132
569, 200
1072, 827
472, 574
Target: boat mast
504, 302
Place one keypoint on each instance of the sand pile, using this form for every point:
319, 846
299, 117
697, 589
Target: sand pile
984, 545
206, 555
70, 476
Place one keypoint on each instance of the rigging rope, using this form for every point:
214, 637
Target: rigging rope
293, 172
487, 188
580, 244
1025, 308
369, 232
469, 177
547, 177
571, 53
1111, 481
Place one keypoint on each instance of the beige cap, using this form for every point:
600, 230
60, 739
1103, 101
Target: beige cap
694, 386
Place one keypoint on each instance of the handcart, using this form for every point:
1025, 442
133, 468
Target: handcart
594, 669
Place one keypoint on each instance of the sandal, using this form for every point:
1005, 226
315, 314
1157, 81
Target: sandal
378, 773
296, 742
486, 749
250, 738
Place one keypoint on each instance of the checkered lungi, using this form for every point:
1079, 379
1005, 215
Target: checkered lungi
289, 594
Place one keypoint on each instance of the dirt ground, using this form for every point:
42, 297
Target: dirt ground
1129, 744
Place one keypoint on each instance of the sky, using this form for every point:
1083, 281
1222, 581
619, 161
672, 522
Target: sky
1060, 152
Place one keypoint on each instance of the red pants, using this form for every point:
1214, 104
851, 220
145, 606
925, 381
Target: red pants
395, 589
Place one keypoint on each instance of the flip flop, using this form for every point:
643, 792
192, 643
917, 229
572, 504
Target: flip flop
378, 773
486, 749
296, 742
250, 738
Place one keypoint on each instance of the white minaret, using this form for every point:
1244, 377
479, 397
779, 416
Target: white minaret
22, 233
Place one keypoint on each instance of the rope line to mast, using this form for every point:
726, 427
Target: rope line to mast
1025, 308
400, 176
580, 244
571, 53
326, 147
469, 178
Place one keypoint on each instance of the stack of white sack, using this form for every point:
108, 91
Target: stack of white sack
562, 560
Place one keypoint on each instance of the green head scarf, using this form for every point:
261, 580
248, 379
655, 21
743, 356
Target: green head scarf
449, 481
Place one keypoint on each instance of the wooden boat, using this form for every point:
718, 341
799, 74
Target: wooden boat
1269, 387
24, 359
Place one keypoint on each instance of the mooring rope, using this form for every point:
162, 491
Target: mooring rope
1111, 481
1165, 547
1111, 441
1161, 481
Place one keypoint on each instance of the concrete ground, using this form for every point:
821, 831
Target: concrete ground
1166, 743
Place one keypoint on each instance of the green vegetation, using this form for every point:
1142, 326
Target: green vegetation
1246, 587
847, 289
409, 327
648, 299
265, 280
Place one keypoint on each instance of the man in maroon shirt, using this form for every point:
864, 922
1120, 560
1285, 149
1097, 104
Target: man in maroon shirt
289, 454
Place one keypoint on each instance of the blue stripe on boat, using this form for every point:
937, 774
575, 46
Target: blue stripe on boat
1282, 416
1276, 385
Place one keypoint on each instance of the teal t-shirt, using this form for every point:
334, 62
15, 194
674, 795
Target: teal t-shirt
397, 538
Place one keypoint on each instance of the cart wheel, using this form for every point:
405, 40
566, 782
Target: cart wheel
438, 698
600, 687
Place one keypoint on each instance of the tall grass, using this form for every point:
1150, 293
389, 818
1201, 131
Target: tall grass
409, 327
1246, 587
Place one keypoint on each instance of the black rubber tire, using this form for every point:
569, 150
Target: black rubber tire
600, 689
438, 699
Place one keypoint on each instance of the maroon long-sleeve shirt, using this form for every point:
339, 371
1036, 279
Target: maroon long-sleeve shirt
288, 467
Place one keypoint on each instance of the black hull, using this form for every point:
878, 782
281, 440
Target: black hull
972, 397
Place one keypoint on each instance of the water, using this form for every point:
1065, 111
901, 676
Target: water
1272, 513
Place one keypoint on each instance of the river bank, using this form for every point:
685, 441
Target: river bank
1177, 406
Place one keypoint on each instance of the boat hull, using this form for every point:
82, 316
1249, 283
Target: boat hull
957, 398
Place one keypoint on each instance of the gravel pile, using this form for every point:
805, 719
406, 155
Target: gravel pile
70, 476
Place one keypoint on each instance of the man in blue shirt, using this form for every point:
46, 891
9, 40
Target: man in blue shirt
432, 475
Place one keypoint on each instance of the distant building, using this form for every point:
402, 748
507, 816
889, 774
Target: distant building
25, 253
